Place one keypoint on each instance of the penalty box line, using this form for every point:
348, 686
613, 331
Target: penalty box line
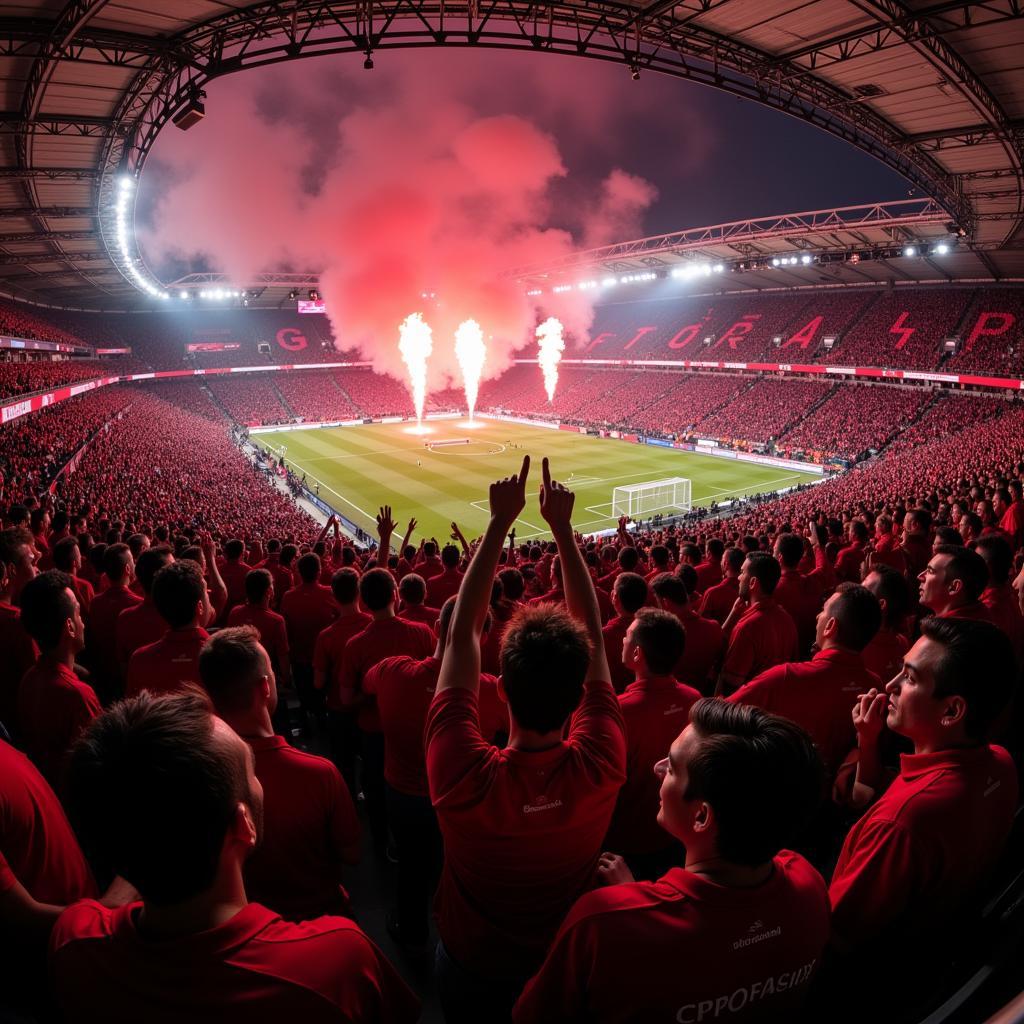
483, 506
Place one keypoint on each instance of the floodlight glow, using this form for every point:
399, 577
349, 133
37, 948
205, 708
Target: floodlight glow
910, 250
775, 262
942, 249
609, 282
719, 267
805, 259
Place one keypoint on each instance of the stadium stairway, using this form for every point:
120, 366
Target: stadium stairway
351, 401
278, 394
226, 412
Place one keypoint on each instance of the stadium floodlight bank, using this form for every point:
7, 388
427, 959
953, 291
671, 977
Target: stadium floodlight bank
670, 495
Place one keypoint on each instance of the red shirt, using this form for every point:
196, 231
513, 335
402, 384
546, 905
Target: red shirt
614, 634
709, 574
254, 967
136, 627
718, 601
522, 829
848, 562
308, 609
382, 638
54, 706
763, 637
83, 590
442, 586
329, 650
308, 819
271, 626
674, 949
282, 577
925, 847
801, 596
884, 655
1004, 611
101, 637
422, 614
35, 837
975, 611
233, 574
701, 651
655, 712
818, 695
19, 653
429, 567
169, 664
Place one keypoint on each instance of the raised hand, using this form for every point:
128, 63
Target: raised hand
412, 526
869, 714
508, 496
385, 524
613, 870
556, 501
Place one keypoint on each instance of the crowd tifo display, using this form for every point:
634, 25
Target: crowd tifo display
712, 769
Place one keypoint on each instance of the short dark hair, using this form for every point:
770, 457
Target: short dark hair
47, 602
967, 566
765, 569
734, 559
149, 563
688, 575
309, 567
153, 793
997, 553
978, 664
659, 554
288, 553
921, 516
412, 588
376, 589
257, 585
760, 773
513, 585
63, 553
949, 535
234, 549
671, 587
177, 589
429, 549
450, 556
345, 585
716, 548
631, 590
545, 654
791, 549
661, 638
858, 615
444, 619
629, 558
894, 589
115, 561
229, 667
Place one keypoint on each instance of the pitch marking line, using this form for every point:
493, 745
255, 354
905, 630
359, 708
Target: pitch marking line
483, 506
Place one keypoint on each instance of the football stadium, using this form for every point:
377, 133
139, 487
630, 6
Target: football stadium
512, 513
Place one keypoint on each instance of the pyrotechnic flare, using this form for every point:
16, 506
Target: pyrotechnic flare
471, 352
415, 343
549, 338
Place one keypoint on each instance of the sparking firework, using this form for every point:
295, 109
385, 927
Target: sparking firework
471, 352
549, 338
415, 343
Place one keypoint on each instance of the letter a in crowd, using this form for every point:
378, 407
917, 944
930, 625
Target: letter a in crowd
806, 334
981, 327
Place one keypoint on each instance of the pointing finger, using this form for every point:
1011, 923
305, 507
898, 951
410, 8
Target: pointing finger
546, 470
524, 472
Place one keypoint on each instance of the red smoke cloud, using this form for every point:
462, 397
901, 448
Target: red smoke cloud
416, 190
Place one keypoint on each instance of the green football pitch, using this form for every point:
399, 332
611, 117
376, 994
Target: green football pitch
360, 468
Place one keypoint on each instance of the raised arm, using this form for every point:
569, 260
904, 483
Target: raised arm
218, 588
405, 539
556, 504
460, 665
457, 535
385, 527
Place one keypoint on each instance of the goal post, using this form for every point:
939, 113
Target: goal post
670, 495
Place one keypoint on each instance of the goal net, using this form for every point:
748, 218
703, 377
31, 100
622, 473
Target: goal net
671, 495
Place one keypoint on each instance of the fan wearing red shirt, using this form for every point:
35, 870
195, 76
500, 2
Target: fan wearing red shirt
849, 559
101, 632
385, 635
233, 570
259, 599
172, 663
308, 609
717, 602
19, 648
818, 694
54, 705
413, 591
310, 829
428, 565
1009, 506
18, 557
952, 583
629, 595
66, 557
655, 708
446, 583
696, 667
759, 632
884, 655
142, 624
737, 932
912, 865
403, 688
282, 576
660, 563
168, 795
998, 596
802, 594
916, 546
522, 826
709, 571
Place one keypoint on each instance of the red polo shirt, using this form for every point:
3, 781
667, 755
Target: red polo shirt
884, 655
168, 665
709, 574
924, 848
685, 949
655, 711
329, 650
254, 967
101, 636
518, 822
54, 706
975, 611
614, 634
382, 638
271, 626
308, 610
233, 574
19, 653
718, 601
422, 614
283, 581
848, 562
801, 596
701, 652
763, 637
1004, 611
308, 819
442, 586
429, 567
137, 627
818, 695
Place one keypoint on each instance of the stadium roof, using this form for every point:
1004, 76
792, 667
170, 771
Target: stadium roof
935, 88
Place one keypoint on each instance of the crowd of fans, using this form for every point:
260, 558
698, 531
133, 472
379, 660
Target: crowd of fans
249, 399
315, 396
764, 411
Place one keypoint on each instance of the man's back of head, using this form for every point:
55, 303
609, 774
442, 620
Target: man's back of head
309, 567
450, 556
179, 592
117, 562
412, 589
345, 586
630, 591
377, 590
149, 563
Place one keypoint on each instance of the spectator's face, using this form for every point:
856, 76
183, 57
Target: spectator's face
745, 579
22, 569
78, 626
825, 616
914, 711
235, 747
935, 586
677, 815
